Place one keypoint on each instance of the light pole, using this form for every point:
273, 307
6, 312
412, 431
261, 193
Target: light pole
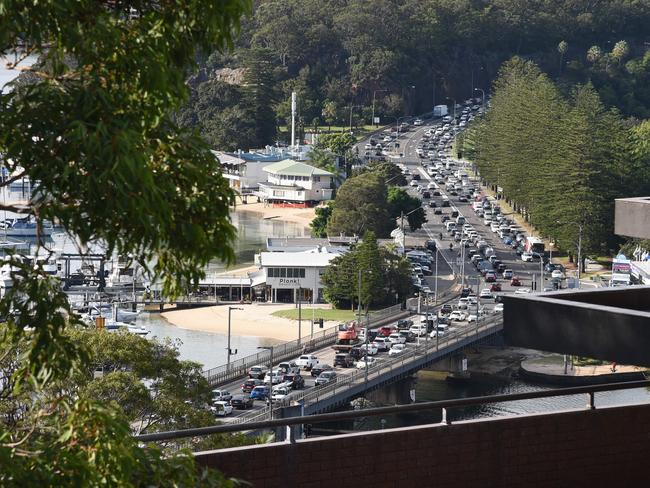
230, 353
373, 104
270, 349
482, 97
435, 286
402, 225
299, 314
351, 107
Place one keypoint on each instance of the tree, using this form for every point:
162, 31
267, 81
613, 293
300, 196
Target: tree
330, 113
360, 205
113, 169
384, 276
620, 51
260, 94
391, 173
400, 202
322, 218
594, 53
339, 142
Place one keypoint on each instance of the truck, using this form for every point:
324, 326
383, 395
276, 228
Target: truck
440, 110
347, 338
534, 244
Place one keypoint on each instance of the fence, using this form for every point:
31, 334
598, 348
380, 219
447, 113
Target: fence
238, 368
345, 382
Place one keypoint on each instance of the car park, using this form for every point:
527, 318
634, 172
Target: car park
242, 402
325, 377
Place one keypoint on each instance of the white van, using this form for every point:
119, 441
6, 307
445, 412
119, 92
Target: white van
450, 225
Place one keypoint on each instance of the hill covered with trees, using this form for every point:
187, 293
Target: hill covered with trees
341, 55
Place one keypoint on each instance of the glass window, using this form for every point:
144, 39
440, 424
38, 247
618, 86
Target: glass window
302, 272
289, 272
316, 178
283, 272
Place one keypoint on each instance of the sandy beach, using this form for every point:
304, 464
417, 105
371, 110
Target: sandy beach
255, 320
296, 215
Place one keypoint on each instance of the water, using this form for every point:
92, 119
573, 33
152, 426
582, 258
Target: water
206, 348
431, 387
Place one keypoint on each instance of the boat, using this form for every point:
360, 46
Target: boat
116, 326
106, 311
26, 227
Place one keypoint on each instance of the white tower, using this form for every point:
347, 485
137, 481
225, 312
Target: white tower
293, 119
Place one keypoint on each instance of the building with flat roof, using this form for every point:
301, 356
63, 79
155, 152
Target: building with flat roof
296, 184
289, 277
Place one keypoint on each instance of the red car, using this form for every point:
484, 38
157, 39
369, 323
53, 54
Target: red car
495, 287
385, 331
515, 281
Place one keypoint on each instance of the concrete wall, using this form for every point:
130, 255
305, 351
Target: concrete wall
591, 448
632, 217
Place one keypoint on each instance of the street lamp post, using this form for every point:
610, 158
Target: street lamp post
373, 103
270, 349
402, 225
230, 353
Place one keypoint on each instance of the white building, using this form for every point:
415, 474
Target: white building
293, 276
244, 170
295, 183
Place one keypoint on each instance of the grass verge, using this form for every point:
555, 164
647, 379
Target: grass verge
318, 313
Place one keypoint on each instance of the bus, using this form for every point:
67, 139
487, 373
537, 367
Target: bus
534, 244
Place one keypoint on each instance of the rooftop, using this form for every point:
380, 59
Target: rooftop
295, 168
315, 258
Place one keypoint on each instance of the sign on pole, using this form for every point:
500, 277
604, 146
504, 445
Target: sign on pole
375, 120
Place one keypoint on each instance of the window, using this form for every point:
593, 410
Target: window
302, 272
289, 272
283, 272
316, 178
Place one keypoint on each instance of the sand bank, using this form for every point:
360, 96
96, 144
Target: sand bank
255, 320
296, 215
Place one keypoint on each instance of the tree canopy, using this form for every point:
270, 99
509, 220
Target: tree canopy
560, 159
92, 124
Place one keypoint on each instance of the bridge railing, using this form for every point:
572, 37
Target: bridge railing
288, 350
344, 382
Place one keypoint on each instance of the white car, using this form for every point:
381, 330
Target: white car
222, 408
522, 291
556, 273
457, 316
472, 316
417, 122
370, 349
418, 329
414, 183
280, 393
370, 361
396, 338
307, 361
486, 293
381, 343
463, 303
527, 256
397, 349
439, 331
498, 308
275, 377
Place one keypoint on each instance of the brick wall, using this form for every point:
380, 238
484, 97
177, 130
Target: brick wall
605, 447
